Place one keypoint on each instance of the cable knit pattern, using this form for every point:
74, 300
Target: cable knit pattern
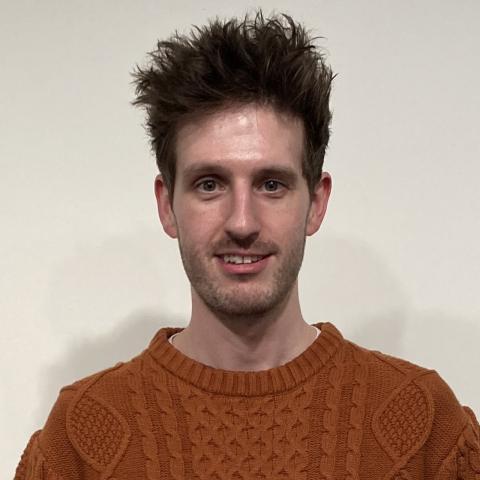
166, 409
403, 366
244, 439
463, 461
402, 475
144, 422
330, 417
336, 411
468, 458
472, 442
357, 415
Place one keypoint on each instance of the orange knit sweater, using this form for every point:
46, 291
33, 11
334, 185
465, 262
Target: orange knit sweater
337, 411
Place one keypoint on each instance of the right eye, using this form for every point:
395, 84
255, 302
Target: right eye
207, 185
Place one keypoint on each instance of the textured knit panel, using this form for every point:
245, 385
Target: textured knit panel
97, 431
403, 422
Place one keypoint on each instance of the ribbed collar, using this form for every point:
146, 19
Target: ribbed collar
263, 382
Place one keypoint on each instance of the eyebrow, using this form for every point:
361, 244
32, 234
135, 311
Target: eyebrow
200, 169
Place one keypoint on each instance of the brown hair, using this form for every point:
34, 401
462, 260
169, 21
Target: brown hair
270, 61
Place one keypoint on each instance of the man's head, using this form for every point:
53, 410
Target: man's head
239, 121
266, 61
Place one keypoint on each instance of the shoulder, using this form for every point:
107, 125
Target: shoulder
415, 409
385, 363
402, 380
87, 424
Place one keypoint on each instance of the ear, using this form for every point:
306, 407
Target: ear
165, 208
319, 202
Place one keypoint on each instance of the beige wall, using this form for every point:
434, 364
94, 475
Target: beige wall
87, 275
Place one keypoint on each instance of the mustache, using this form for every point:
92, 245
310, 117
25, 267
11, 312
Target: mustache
260, 247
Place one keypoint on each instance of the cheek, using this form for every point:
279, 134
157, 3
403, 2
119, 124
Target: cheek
198, 225
287, 218
284, 229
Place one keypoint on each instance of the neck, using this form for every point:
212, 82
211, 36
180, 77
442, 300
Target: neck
246, 344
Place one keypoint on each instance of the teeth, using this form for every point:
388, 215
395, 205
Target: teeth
239, 260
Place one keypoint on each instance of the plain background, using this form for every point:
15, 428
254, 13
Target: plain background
87, 275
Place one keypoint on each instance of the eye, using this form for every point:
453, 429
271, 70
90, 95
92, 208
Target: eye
272, 185
207, 185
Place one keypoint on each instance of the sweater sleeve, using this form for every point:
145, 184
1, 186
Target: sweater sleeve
463, 459
49, 454
33, 465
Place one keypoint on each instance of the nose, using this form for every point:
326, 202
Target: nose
242, 224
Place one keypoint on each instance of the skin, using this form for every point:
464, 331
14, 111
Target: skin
230, 196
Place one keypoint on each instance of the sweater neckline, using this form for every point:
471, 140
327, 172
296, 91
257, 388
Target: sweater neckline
246, 383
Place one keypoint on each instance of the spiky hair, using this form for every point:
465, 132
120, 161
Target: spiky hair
268, 61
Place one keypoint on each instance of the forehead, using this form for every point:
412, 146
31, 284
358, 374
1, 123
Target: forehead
241, 138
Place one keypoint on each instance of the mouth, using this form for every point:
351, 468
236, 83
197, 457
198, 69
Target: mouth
243, 264
241, 259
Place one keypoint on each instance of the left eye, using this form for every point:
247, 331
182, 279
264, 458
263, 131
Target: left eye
272, 185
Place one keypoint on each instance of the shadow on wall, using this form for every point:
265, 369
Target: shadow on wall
104, 303
347, 282
87, 356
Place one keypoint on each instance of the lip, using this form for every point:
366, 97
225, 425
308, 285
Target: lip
243, 254
243, 268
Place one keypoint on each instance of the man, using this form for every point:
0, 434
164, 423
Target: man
239, 118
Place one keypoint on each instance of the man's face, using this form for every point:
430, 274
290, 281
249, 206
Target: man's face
241, 208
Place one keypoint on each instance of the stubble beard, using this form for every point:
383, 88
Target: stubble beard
231, 298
